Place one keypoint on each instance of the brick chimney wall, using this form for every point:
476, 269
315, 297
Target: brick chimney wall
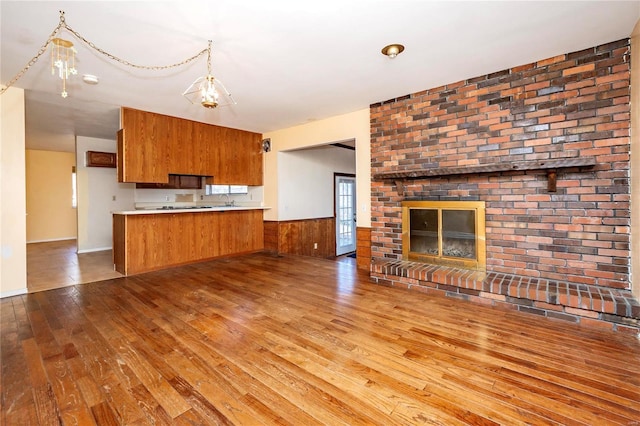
572, 105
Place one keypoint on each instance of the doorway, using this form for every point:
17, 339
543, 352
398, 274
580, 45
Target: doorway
345, 204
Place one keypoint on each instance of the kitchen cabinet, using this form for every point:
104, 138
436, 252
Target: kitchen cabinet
101, 159
153, 146
238, 162
143, 147
147, 242
176, 182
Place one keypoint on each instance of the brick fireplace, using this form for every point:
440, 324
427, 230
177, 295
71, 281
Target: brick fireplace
448, 233
545, 146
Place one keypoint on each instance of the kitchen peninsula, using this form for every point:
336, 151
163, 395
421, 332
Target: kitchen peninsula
152, 148
148, 240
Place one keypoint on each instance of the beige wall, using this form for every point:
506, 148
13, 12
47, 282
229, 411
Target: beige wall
635, 161
13, 254
50, 215
351, 126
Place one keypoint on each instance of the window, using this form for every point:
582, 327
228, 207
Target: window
74, 192
226, 189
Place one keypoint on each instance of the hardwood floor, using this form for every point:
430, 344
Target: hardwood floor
262, 339
56, 264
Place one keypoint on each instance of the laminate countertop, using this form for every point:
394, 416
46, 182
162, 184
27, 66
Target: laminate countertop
187, 209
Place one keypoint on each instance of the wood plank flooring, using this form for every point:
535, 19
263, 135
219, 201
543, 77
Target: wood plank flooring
261, 339
56, 264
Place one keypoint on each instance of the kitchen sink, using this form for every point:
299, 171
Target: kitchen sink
183, 207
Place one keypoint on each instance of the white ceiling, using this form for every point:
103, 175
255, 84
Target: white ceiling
285, 62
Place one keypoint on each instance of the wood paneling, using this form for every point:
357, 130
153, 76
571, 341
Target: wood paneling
271, 236
293, 340
363, 248
119, 242
156, 241
300, 237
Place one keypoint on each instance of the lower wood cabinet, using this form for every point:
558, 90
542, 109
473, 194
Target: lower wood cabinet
148, 242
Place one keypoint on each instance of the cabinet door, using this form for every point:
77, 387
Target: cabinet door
202, 136
183, 150
173, 183
142, 147
189, 182
101, 159
238, 158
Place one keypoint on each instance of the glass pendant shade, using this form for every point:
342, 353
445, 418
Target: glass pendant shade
208, 92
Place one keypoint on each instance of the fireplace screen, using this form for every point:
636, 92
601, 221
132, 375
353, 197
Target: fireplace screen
444, 233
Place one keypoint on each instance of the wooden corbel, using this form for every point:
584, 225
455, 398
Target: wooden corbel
400, 188
552, 177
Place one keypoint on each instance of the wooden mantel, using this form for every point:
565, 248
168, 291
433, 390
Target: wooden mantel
550, 165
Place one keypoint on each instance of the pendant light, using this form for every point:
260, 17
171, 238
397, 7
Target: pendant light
208, 91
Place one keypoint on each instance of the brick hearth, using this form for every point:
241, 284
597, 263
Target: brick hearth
579, 303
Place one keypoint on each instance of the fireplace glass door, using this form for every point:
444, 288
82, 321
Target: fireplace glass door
444, 233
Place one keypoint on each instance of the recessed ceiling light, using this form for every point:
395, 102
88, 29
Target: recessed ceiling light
90, 79
392, 50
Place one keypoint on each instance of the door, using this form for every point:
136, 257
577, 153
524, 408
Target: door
345, 192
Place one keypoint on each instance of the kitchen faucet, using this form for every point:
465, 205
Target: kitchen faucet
229, 203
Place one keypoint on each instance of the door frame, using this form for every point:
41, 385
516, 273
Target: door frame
337, 175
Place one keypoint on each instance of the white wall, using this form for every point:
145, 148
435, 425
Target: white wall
152, 197
97, 186
351, 126
306, 181
13, 223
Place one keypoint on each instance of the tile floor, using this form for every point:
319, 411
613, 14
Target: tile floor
56, 264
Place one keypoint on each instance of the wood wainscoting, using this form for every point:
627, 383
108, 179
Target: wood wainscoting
300, 236
363, 248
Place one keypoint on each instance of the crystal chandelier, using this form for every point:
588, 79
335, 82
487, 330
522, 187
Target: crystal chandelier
63, 60
207, 90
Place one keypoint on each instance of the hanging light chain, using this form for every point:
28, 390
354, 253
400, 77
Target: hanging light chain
64, 25
127, 63
33, 60
209, 58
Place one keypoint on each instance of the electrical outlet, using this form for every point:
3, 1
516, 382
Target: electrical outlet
166, 198
113, 198
315, 246
201, 197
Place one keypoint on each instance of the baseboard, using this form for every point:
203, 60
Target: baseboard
94, 249
51, 240
12, 293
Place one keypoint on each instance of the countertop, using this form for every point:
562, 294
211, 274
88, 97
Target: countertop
188, 209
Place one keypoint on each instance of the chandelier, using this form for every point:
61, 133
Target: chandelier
207, 90
63, 60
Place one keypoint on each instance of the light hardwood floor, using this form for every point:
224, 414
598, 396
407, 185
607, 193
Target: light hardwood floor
263, 339
56, 264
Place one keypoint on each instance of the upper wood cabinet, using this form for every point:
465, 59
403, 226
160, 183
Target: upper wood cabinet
101, 159
143, 147
153, 146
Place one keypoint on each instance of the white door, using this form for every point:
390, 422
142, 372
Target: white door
345, 190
